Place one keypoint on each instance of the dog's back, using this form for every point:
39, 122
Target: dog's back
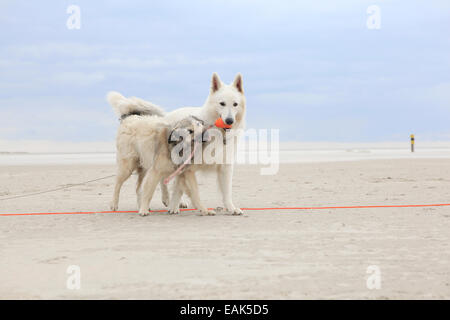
141, 138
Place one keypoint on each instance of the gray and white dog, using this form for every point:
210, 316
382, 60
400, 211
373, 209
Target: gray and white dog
224, 101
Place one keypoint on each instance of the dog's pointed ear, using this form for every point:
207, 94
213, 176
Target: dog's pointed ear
215, 82
237, 83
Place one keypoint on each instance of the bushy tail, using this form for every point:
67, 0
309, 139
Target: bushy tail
126, 106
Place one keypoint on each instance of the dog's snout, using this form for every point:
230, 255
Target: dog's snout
229, 121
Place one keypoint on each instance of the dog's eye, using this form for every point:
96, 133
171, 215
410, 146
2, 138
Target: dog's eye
191, 131
223, 104
235, 104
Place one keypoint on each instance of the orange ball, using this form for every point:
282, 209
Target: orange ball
220, 124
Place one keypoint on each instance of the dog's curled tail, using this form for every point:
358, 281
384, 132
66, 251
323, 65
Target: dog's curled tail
127, 106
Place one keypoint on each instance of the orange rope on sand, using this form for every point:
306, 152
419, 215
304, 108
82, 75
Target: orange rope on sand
248, 209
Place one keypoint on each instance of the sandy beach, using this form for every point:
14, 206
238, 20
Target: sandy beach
273, 254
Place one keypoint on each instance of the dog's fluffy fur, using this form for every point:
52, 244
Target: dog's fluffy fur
132, 105
143, 145
225, 101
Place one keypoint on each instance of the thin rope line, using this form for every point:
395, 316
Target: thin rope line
56, 189
248, 209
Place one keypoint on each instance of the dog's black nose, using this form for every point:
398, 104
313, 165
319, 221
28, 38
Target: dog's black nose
229, 121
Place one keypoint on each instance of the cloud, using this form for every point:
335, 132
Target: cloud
51, 49
57, 118
426, 96
49, 82
296, 98
167, 61
314, 61
51, 146
440, 93
77, 78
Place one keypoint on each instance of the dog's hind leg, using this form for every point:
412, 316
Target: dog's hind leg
124, 171
177, 193
165, 196
141, 174
150, 182
183, 203
193, 193
164, 193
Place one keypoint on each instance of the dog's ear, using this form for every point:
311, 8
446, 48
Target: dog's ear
215, 83
237, 83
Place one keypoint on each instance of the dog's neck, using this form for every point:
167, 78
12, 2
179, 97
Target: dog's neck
208, 115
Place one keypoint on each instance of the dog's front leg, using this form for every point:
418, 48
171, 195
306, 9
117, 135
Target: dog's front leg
150, 182
225, 178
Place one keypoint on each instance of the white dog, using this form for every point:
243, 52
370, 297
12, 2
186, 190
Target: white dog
226, 102
145, 144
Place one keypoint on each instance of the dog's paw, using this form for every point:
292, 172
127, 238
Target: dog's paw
113, 206
208, 212
236, 211
165, 199
143, 213
174, 211
183, 204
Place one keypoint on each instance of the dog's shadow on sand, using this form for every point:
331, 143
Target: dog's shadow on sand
190, 213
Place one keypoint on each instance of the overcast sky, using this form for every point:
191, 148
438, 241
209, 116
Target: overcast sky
313, 69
